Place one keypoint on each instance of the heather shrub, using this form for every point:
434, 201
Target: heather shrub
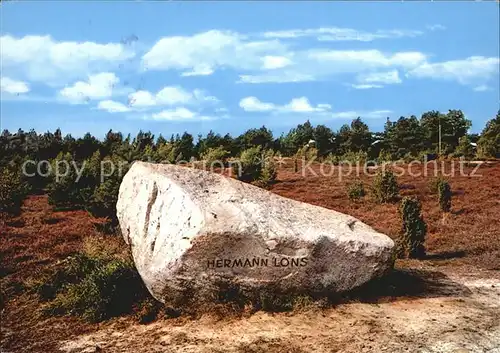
444, 193
95, 284
166, 153
355, 190
250, 164
433, 184
464, 149
12, 190
308, 153
354, 157
269, 171
333, 158
105, 193
218, 154
385, 187
110, 289
104, 198
66, 190
384, 156
414, 229
348, 157
70, 270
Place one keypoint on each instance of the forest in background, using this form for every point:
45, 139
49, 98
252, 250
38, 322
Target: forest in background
408, 138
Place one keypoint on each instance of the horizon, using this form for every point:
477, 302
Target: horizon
173, 67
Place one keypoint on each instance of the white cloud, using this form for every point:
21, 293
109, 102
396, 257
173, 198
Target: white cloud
342, 34
386, 77
201, 96
356, 60
206, 51
253, 104
41, 58
98, 86
376, 79
112, 106
435, 27
370, 114
275, 62
282, 77
365, 86
174, 97
472, 70
9, 85
302, 105
141, 99
318, 64
270, 60
179, 114
481, 88
201, 70
221, 110
169, 96
296, 105
175, 114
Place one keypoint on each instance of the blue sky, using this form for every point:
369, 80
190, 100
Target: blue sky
229, 66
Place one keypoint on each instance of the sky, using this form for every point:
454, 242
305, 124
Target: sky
171, 67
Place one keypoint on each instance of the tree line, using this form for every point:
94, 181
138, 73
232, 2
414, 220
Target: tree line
407, 137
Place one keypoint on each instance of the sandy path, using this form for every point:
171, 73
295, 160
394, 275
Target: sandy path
464, 318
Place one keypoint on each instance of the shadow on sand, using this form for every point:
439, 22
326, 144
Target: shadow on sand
407, 284
445, 255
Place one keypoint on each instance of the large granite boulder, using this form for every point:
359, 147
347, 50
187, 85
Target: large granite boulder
190, 229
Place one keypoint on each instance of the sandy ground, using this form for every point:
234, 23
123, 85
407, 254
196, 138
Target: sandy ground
463, 315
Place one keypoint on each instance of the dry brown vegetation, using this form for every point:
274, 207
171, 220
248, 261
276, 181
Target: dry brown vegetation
465, 241
470, 234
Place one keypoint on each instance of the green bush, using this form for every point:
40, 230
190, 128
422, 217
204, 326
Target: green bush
354, 157
488, 144
12, 190
464, 149
92, 191
109, 290
355, 190
385, 187
348, 157
97, 283
103, 201
408, 158
308, 153
166, 153
269, 171
257, 166
218, 154
64, 190
444, 192
95, 289
384, 156
333, 158
413, 230
70, 270
250, 164
433, 184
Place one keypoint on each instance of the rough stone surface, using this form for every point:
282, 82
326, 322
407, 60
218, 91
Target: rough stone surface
189, 229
